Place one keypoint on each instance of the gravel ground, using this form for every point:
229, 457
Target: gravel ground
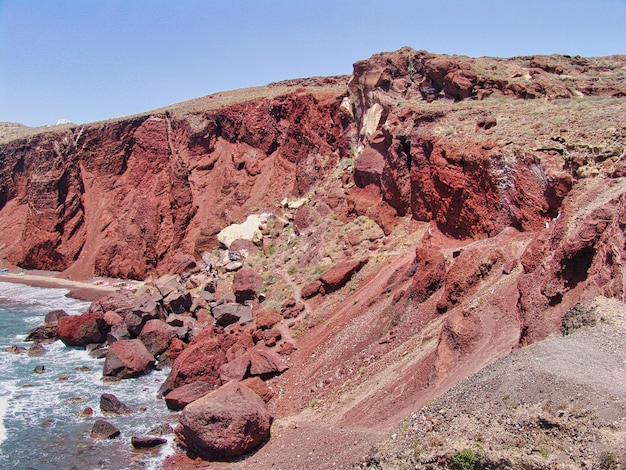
557, 404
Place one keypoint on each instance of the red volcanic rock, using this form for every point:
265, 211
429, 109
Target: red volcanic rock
257, 361
246, 283
428, 271
184, 263
335, 278
229, 313
127, 358
147, 307
305, 217
176, 347
180, 397
200, 360
178, 302
236, 369
291, 308
311, 289
469, 268
369, 202
267, 318
228, 422
156, 336
458, 336
573, 259
259, 387
113, 319
264, 362
167, 284
81, 330
368, 168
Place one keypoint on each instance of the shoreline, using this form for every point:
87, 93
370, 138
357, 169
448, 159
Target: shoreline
80, 290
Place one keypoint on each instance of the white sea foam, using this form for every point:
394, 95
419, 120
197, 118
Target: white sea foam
6, 390
42, 299
4, 402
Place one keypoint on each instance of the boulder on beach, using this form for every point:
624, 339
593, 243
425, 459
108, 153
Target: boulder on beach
127, 358
228, 422
81, 330
180, 397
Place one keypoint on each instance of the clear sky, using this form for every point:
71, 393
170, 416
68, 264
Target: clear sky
89, 60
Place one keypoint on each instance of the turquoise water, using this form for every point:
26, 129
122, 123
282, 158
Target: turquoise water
39, 423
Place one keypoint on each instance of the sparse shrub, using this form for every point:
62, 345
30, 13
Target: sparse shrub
609, 461
467, 459
362, 370
293, 270
313, 403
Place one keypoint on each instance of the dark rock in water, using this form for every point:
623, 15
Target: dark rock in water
147, 442
180, 397
111, 405
40, 369
86, 412
45, 333
162, 430
97, 351
104, 430
110, 380
54, 315
15, 349
74, 400
36, 349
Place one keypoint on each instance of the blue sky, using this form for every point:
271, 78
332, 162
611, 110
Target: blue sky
89, 60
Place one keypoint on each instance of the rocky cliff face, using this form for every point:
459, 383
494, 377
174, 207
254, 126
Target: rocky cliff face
122, 198
482, 199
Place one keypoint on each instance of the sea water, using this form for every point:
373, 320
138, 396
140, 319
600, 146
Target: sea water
40, 426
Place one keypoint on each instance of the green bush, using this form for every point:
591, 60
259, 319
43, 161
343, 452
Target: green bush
467, 459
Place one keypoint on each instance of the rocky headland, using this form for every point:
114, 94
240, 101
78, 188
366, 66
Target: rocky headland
323, 257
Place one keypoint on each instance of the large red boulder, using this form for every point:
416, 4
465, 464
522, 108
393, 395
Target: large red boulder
267, 318
156, 336
428, 271
337, 277
199, 361
81, 330
470, 267
179, 398
246, 283
258, 361
228, 422
127, 358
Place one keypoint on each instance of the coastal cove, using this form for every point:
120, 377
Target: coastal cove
40, 426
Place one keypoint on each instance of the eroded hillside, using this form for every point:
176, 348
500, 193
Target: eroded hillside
480, 199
